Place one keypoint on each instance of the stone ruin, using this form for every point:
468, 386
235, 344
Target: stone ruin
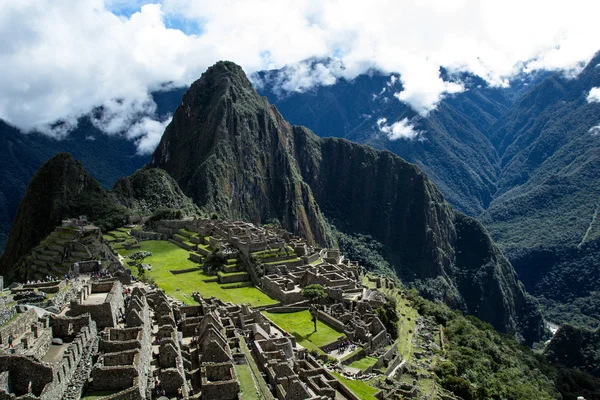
137, 343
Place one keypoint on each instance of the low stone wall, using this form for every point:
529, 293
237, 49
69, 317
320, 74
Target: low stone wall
238, 277
21, 324
312, 258
183, 245
6, 313
283, 310
143, 235
379, 340
114, 378
184, 271
393, 364
357, 355
329, 320
196, 258
127, 394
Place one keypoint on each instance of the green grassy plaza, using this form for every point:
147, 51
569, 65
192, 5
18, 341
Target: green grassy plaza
363, 363
301, 326
168, 256
362, 389
247, 387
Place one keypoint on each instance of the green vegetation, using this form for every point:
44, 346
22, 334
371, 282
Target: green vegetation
389, 316
577, 348
283, 261
266, 254
214, 262
300, 325
167, 256
314, 293
247, 386
96, 395
364, 363
368, 252
481, 363
138, 257
362, 389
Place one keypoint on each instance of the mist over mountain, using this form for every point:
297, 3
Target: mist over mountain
106, 157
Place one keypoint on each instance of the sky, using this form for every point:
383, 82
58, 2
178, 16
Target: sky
60, 59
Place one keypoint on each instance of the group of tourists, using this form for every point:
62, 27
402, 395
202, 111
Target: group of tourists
48, 278
346, 345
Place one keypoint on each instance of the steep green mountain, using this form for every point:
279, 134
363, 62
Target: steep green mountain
235, 155
230, 152
453, 148
150, 189
63, 189
60, 189
545, 214
524, 156
107, 158
575, 347
478, 363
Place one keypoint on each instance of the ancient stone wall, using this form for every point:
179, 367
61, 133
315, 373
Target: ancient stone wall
143, 235
6, 313
67, 328
114, 378
105, 314
21, 324
329, 320
24, 371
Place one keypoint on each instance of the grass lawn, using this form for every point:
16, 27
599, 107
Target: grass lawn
316, 262
168, 256
246, 380
98, 394
363, 363
301, 326
363, 390
283, 261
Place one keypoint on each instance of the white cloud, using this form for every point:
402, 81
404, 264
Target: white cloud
59, 59
594, 95
402, 129
147, 133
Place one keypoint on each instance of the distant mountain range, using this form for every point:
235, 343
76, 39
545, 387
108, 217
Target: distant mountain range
521, 159
524, 159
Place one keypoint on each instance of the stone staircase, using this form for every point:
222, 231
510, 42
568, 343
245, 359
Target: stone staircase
183, 239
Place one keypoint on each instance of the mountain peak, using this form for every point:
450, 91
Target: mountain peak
60, 189
224, 75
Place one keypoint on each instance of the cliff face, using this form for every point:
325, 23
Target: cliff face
60, 189
233, 153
